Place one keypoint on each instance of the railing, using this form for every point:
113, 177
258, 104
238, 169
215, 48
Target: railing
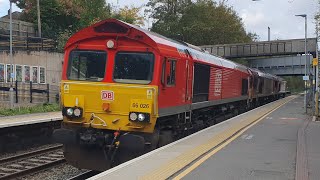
30, 92
264, 48
26, 43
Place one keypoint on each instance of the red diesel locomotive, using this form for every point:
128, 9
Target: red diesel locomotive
126, 91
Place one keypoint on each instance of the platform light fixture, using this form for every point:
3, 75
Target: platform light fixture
11, 57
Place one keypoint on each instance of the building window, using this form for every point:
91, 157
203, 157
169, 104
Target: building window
35, 74
171, 75
26, 73
9, 70
18, 73
2, 78
42, 75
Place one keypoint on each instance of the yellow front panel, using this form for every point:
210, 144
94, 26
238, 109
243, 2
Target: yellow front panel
122, 99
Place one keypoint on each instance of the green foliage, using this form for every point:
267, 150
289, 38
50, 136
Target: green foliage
62, 18
129, 15
197, 22
201, 23
294, 83
53, 17
28, 110
242, 61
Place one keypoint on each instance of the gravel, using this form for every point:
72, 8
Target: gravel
61, 172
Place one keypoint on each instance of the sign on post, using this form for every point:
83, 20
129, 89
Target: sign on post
315, 62
305, 78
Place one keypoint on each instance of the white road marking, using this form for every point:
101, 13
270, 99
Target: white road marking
244, 136
249, 136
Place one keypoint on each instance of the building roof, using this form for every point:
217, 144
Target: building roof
15, 15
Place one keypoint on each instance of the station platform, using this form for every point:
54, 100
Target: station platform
27, 119
275, 141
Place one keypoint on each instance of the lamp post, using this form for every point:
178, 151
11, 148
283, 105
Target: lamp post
305, 53
39, 20
268, 33
11, 60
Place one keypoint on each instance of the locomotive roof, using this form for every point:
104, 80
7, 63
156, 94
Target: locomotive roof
266, 75
197, 53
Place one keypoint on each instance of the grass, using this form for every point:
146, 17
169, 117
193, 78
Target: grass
29, 110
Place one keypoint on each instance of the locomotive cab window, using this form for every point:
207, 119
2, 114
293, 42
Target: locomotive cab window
87, 65
133, 67
171, 72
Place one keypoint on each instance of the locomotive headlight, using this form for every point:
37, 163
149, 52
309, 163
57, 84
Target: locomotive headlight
133, 116
141, 117
70, 112
110, 44
77, 112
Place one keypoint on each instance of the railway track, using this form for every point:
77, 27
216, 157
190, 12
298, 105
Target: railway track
31, 162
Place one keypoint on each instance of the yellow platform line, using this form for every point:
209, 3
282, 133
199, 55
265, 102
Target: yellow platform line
222, 139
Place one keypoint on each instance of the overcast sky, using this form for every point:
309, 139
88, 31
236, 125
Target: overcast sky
256, 15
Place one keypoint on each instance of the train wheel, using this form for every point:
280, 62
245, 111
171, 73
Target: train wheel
165, 137
2, 144
153, 141
86, 157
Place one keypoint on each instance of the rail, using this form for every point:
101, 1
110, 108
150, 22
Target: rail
27, 163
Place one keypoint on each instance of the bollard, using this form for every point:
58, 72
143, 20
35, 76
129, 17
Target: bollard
30, 91
16, 90
48, 93
317, 104
11, 96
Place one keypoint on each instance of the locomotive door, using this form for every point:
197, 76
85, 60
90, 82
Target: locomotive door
172, 84
188, 80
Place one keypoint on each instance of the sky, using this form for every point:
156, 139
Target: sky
257, 16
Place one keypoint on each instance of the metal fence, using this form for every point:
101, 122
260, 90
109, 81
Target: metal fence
264, 48
26, 43
19, 28
29, 93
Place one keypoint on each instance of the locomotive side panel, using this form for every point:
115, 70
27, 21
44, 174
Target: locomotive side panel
231, 83
215, 87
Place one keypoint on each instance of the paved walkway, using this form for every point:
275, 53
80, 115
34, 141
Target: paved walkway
18, 120
259, 144
269, 150
313, 149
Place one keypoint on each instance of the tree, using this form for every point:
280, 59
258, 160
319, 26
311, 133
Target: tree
317, 21
59, 15
61, 18
167, 14
129, 15
201, 22
53, 17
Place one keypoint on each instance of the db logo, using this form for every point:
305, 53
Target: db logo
107, 95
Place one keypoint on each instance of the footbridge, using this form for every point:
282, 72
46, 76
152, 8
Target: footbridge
281, 57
